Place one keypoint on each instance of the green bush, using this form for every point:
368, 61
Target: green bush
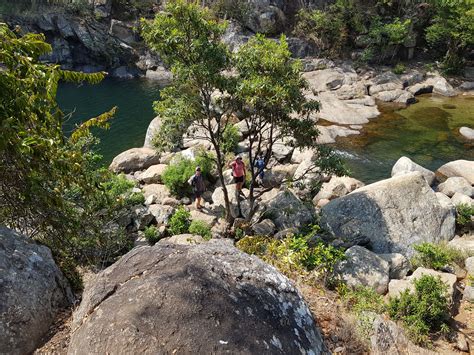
292, 255
200, 228
399, 69
230, 139
424, 311
180, 221
362, 299
152, 235
177, 174
436, 256
464, 214
238, 10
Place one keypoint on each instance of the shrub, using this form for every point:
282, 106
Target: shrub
230, 139
292, 255
424, 311
177, 174
200, 228
362, 299
436, 256
464, 214
152, 235
399, 69
180, 221
238, 10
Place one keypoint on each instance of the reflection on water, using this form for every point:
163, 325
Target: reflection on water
134, 99
427, 133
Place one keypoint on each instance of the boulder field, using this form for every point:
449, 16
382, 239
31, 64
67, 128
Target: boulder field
203, 298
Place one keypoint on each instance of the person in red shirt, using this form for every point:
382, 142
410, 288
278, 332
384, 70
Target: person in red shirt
238, 172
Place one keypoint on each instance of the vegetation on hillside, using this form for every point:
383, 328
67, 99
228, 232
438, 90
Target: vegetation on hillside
382, 29
50, 187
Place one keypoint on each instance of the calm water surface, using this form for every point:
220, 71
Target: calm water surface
426, 132
134, 99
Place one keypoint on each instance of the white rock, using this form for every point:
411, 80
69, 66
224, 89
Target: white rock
265, 227
405, 165
460, 199
399, 265
205, 217
467, 132
160, 191
469, 262
161, 213
153, 174
463, 168
134, 159
456, 184
464, 244
337, 187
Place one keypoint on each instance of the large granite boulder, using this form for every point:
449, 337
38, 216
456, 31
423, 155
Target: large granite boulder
204, 298
160, 192
405, 165
134, 159
32, 292
153, 174
399, 265
463, 168
361, 267
467, 132
394, 214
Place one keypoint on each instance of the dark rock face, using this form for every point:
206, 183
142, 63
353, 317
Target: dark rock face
32, 291
78, 44
207, 298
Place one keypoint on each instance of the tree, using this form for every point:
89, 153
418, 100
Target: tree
188, 38
261, 83
271, 93
50, 189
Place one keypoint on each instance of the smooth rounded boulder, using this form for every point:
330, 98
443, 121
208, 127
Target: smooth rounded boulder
393, 214
134, 159
208, 298
405, 165
463, 168
32, 292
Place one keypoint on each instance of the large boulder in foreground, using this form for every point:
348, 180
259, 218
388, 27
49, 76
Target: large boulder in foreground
207, 298
394, 214
32, 292
463, 168
134, 159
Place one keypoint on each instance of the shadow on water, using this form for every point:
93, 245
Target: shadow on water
427, 132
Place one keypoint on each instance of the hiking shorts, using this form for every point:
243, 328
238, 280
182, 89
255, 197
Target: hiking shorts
238, 179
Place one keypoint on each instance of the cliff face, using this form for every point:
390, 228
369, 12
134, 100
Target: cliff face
100, 35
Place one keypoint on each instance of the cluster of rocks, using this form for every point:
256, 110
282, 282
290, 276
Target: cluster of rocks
391, 216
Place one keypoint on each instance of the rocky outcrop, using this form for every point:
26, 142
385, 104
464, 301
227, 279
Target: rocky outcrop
399, 265
204, 298
361, 267
394, 214
134, 159
405, 165
463, 168
32, 292
337, 187
153, 174
83, 44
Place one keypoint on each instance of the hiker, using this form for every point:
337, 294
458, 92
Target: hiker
197, 182
238, 173
260, 165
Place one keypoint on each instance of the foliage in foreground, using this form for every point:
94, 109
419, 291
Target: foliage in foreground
50, 188
201, 228
436, 256
152, 235
424, 311
177, 174
293, 256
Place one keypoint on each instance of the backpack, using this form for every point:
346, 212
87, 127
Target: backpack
191, 181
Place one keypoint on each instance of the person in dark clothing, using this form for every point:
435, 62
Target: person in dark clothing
197, 182
260, 165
